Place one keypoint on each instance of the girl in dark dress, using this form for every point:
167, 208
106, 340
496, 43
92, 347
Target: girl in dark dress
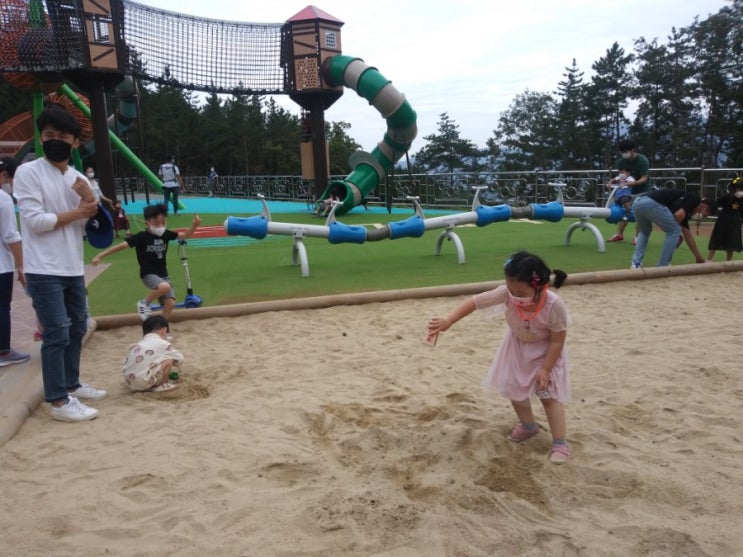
726, 234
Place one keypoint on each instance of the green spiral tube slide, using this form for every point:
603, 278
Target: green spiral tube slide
370, 169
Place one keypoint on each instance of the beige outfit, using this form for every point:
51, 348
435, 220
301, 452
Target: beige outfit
143, 365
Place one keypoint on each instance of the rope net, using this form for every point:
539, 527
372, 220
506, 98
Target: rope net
163, 47
33, 40
203, 54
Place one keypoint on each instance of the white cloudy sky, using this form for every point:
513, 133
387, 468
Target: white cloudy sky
468, 58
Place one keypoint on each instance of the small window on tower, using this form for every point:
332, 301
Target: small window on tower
330, 39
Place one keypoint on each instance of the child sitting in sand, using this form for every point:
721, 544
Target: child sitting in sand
150, 361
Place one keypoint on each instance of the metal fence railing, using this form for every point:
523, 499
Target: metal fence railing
458, 189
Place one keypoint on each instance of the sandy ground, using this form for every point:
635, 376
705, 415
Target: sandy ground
338, 432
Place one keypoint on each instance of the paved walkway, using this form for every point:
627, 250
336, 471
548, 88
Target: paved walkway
21, 389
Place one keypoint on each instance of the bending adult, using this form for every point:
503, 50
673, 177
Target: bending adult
669, 210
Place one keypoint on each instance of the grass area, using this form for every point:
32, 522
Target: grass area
263, 270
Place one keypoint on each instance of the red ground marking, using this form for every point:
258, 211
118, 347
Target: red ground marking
206, 231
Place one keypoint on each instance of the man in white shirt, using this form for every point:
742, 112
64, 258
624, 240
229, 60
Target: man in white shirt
172, 182
55, 201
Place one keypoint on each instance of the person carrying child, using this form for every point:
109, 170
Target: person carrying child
150, 361
532, 359
726, 234
639, 168
152, 250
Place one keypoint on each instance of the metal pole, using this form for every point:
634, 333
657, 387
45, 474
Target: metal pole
319, 142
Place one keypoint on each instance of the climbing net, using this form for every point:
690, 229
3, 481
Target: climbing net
203, 54
163, 47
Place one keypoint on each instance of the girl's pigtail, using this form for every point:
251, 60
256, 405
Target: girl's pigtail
560, 277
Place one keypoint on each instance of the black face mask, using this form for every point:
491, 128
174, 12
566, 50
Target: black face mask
57, 150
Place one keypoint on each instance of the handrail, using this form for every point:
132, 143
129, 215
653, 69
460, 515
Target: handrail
513, 187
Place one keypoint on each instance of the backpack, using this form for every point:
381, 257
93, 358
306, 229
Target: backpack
168, 172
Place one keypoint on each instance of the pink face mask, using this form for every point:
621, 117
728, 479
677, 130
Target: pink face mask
521, 301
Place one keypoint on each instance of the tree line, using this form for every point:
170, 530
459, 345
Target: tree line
681, 100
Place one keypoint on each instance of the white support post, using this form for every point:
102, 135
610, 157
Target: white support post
299, 254
449, 234
583, 224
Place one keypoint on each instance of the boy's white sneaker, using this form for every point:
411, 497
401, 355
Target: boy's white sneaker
73, 411
89, 392
143, 309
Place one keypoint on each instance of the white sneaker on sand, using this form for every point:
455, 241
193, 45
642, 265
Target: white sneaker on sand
89, 392
73, 411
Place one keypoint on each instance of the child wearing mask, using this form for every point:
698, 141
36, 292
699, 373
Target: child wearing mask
152, 249
96, 187
121, 221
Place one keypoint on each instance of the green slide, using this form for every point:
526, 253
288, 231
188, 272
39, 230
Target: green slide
370, 169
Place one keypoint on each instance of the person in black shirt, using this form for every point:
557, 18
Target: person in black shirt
669, 210
726, 232
152, 251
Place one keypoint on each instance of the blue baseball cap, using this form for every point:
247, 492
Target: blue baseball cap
100, 229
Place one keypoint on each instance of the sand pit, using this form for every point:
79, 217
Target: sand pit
336, 431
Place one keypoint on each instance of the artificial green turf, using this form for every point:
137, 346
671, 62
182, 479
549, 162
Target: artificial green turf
263, 270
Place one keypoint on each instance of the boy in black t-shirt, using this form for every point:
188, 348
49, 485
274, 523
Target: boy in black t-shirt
152, 251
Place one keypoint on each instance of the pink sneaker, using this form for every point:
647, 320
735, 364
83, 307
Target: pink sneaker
559, 454
519, 434
616, 238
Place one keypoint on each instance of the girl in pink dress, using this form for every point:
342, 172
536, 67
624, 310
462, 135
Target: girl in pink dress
532, 359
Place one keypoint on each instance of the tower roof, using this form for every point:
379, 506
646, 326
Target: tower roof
312, 13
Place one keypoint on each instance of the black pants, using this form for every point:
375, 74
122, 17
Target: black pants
6, 296
167, 193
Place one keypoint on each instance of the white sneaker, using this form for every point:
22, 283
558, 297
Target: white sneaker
635, 266
89, 392
143, 309
73, 411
